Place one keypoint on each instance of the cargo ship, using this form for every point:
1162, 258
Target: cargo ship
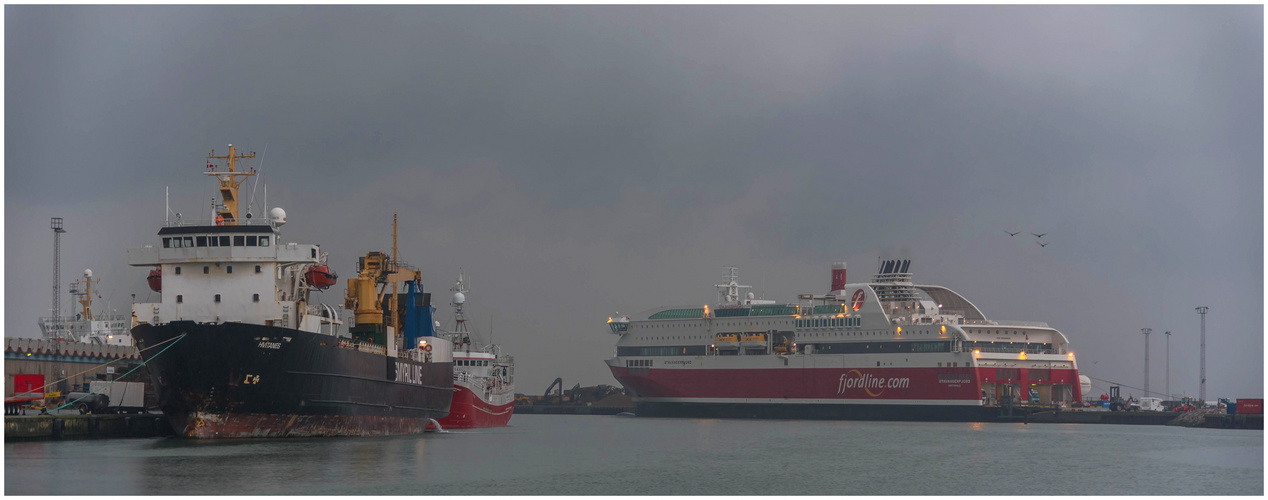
885, 349
483, 377
239, 344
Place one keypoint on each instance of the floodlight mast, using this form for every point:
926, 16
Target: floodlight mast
1146, 331
56, 226
1202, 374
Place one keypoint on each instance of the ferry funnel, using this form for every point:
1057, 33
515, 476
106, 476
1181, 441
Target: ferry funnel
838, 276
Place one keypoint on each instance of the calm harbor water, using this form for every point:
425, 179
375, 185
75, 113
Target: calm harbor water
608, 455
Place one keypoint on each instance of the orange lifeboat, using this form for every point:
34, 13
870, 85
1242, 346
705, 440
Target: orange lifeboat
320, 277
155, 279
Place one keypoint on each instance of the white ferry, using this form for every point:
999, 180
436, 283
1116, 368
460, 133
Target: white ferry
882, 349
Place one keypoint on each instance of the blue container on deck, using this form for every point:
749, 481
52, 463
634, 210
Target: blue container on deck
1104, 404
1232, 408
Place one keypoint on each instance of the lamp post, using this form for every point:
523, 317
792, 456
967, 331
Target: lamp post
1202, 374
1168, 333
1146, 331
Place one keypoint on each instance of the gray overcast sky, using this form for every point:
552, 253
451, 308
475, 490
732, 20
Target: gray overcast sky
577, 161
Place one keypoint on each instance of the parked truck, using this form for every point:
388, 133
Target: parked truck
123, 397
1151, 404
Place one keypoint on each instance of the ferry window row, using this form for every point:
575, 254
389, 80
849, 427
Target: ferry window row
715, 323
829, 322
471, 362
953, 377
1009, 347
879, 347
238, 240
691, 350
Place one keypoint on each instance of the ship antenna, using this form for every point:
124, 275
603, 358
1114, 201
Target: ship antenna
228, 182
257, 180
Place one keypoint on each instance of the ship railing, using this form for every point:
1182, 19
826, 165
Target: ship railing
1009, 322
262, 221
1015, 350
363, 347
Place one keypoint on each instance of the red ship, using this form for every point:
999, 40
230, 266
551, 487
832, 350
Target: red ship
484, 378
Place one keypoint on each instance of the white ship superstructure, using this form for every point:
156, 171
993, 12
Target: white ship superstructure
87, 326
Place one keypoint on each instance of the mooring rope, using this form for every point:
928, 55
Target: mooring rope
55, 382
143, 363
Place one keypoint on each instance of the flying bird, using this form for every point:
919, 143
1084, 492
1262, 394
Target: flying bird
1010, 233
1042, 244
1039, 235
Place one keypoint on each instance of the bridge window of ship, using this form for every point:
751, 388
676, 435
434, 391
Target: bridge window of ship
217, 298
180, 298
255, 297
264, 241
200, 241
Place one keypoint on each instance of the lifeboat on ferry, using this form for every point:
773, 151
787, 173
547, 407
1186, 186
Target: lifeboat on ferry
727, 342
753, 343
320, 277
155, 279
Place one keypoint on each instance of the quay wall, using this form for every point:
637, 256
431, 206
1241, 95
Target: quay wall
23, 428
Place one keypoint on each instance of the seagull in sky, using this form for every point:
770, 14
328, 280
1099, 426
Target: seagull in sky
1042, 244
1010, 233
1039, 235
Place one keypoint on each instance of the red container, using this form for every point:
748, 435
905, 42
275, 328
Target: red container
28, 383
1253, 406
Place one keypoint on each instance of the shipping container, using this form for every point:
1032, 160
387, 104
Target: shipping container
28, 384
1252, 406
124, 396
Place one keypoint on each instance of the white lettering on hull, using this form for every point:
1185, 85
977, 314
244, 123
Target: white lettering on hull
409, 374
874, 385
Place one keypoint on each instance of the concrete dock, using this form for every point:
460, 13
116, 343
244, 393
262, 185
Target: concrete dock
40, 427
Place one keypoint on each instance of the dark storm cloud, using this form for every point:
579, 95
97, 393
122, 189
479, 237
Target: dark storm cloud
579, 160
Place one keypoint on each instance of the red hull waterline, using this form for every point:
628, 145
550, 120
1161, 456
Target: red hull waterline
467, 411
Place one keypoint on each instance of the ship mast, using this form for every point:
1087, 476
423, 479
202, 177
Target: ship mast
85, 299
229, 182
461, 334
396, 328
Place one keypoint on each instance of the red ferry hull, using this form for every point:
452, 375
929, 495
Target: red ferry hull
468, 411
907, 393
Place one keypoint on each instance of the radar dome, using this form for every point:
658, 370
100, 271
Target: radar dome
88, 272
277, 216
459, 298
1085, 385
750, 296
